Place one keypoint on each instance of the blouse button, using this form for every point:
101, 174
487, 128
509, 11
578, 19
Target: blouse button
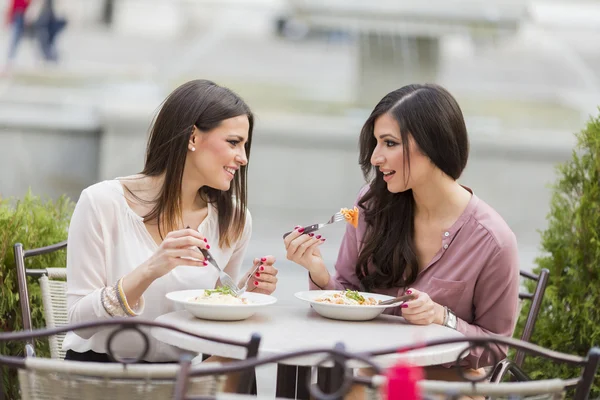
445, 246
446, 234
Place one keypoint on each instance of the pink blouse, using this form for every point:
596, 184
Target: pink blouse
475, 274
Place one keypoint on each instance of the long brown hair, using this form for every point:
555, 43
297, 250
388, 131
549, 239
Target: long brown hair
205, 105
434, 119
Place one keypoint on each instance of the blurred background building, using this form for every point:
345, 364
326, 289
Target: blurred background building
526, 74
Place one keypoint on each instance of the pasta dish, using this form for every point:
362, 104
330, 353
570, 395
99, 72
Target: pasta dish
349, 297
220, 295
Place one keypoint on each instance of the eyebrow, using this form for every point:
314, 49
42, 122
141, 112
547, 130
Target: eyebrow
388, 135
238, 137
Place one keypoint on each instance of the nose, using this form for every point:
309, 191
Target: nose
241, 158
376, 157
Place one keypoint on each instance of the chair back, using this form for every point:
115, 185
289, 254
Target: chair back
129, 378
536, 298
51, 379
53, 288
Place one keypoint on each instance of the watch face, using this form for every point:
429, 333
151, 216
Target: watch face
451, 320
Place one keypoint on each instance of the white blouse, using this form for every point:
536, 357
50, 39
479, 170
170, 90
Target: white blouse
107, 240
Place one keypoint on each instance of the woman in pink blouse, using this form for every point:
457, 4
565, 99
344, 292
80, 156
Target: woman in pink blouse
420, 231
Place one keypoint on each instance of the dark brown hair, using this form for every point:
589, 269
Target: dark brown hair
432, 117
205, 105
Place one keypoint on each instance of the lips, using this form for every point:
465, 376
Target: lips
387, 175
230, 171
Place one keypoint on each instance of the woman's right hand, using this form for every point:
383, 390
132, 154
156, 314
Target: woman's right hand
304, 250
178, 248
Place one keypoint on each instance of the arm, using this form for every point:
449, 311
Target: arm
495, 304
345, 266
345, 276
86, 265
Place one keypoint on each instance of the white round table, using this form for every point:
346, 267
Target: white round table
287, 328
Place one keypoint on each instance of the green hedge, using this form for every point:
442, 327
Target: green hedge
35, 223
569, 319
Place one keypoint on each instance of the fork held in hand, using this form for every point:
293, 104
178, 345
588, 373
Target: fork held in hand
225, 279
337, 217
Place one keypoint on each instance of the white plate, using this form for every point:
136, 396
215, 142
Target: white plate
343, 311
221, 312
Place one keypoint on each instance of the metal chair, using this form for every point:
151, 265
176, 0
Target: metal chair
338, 357
506, 366
53, 287
554, 388
127, 379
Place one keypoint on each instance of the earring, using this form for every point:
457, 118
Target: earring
193, 148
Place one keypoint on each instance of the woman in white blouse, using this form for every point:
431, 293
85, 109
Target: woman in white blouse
128, 242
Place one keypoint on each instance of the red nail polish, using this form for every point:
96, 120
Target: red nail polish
263, 259
205, 240
207, 246
318, 236
262, 268
404, 305
297, 226
205, 263
311, 234
301, 230
409, 292
322, 240
255, 283
258, 274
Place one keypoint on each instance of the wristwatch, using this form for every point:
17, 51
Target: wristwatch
450, 318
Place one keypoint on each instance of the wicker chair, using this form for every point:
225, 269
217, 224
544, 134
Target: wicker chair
52, 379
53, 287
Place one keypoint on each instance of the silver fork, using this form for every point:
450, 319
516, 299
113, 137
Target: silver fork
242, 290
337, 217
225, 279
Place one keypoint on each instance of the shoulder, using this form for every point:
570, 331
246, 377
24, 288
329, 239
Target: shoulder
102, 196
495, 226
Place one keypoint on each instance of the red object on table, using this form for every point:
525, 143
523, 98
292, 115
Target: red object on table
402, 382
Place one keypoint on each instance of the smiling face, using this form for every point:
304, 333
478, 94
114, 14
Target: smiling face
219, 153
402, 168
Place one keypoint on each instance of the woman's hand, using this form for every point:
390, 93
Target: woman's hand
304, 250
178, 248
264, 279
422, 310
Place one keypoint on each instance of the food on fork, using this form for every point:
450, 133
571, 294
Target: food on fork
349, 297
220, 295
350, 215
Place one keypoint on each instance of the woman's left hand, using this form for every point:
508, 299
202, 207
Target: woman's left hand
264, 280
422, 310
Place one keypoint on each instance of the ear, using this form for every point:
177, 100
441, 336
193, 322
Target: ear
193, 140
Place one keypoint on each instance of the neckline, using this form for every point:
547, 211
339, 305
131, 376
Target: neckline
140, 219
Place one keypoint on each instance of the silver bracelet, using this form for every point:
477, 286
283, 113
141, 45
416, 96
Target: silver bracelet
110, 302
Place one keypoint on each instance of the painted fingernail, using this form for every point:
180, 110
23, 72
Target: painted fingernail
409, 292
263, 259
311, 234
322, 240
301, 230
262, 268
318, 236
207, 246
255, 283
297, 226
205, 263
258, 274
205, 240
404, 305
